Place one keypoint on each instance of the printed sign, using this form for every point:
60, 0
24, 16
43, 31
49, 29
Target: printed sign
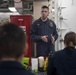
24, 28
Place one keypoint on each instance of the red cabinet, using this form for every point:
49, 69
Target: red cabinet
24, 21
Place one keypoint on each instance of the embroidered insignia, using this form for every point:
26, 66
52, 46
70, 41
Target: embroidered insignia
38, 24
51, 24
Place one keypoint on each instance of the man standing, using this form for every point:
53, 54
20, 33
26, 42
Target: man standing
43, 31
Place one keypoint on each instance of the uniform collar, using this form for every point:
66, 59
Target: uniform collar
69, 49
44, 21
11, 65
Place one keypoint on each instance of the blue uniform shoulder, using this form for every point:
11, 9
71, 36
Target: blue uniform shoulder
58, 54
52, 22
36, 21
62, 52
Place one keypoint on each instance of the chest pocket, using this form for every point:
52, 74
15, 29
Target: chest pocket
38, 26
50, 27
38, 29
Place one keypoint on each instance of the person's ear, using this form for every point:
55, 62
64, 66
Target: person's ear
26, 49
64, 43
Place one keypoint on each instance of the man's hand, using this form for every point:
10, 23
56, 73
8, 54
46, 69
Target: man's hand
52, 39
44, 38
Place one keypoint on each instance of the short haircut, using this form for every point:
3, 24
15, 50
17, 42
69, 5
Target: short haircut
45, 7
70, 37
12, 40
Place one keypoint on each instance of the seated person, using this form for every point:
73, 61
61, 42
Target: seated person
13, 46
64, 62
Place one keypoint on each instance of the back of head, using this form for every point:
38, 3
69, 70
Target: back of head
70, 39
12, 41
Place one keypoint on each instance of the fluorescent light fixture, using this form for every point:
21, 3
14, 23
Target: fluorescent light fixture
13, 9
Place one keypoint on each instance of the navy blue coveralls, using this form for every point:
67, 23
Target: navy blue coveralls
63, 62
40, 28
13, 68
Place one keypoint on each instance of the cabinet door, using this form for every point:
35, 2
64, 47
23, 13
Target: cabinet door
24, 21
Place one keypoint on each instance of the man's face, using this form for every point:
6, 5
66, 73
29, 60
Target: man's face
44, 12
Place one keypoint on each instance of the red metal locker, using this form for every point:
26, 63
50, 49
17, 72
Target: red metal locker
24, 21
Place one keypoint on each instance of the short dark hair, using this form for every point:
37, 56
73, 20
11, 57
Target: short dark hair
70, 37
12, 40
45, 7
